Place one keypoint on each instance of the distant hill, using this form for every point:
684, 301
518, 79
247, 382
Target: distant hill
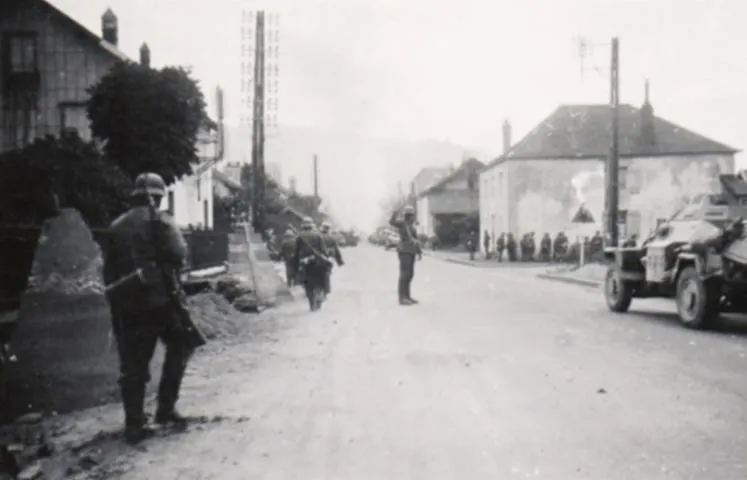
355, 172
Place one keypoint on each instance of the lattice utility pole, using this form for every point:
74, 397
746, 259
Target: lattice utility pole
259, 88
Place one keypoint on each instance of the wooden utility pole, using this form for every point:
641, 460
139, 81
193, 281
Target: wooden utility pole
613, 162
258, 131
316, 178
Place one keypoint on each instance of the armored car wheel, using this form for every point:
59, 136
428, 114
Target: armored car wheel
697, 300
617, 292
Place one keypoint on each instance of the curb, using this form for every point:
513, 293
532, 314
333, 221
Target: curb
574, 281
460, 262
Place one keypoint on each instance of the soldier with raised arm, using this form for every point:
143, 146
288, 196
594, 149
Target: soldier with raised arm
407, 250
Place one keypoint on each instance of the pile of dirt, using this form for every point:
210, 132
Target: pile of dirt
67, 259
215, 315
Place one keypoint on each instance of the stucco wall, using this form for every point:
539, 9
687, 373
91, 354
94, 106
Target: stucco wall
494, 200
544, 194
454, 201
425, 219
189, 200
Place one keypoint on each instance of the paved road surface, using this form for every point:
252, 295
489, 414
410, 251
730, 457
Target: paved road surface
491, 377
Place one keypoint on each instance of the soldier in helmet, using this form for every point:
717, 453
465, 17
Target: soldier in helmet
332, 250
310, 257
408, 249
147, 240
287, 252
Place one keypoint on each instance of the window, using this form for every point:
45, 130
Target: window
22, 55
74, 119
205, 213
19, 120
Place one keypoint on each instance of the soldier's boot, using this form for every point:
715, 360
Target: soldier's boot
172, 375
136, 429
402, 291
409, 295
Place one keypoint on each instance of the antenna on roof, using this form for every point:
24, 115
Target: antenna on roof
583, 49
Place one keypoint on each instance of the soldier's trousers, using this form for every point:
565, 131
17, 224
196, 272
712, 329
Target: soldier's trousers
137, 334
328, 280
314, 277
290, 274
406, 274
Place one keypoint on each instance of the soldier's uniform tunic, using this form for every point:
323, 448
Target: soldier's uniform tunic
287, 252
310, 245
332, 250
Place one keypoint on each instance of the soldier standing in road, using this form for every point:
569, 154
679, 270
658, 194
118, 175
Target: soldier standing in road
407, 250
500, 246
473, 244
287, 251
486, 244
511, 247
310, 257
332, 250
141, 311
545, 247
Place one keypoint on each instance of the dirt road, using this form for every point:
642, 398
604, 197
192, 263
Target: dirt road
494, 375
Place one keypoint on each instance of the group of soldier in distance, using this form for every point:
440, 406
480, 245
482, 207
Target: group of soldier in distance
308, 256
560, 249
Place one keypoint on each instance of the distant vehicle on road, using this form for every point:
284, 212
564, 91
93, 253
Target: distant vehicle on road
698, 257
351, 237
340, 239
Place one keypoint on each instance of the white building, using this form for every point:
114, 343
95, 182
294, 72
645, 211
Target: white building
190, 200
541, 181
425, 179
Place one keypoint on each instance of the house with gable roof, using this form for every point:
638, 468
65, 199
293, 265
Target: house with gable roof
453, 197
539, 183
47, 62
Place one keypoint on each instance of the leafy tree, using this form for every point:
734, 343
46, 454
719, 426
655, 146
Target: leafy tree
70, 169
148, 119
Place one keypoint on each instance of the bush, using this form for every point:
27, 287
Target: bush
150, 119
67, 168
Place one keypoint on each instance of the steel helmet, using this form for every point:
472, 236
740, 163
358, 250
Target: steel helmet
408, 210
149, 184
289, 233
307, 223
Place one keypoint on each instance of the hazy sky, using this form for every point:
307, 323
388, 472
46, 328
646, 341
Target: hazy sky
454, 69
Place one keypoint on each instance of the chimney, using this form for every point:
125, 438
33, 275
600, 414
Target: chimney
506, 137
145, 55
109, 29
292, 184
648, 131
